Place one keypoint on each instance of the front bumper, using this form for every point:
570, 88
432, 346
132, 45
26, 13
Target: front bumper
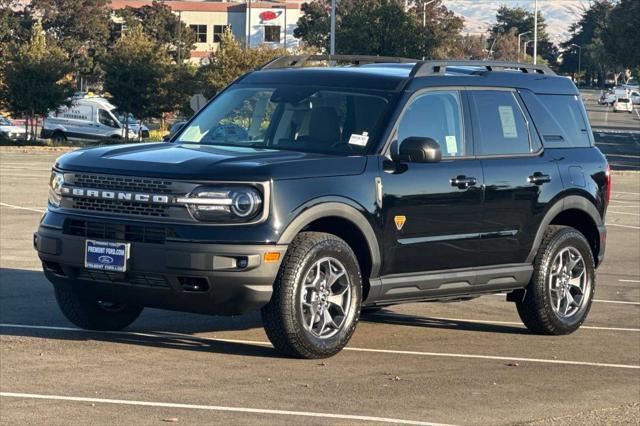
182, 276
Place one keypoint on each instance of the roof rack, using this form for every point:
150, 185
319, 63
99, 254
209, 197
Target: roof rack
296, 61
427, 68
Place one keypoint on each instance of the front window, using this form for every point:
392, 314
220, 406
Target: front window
107, 119
295, 118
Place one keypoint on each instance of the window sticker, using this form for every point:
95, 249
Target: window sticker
452, 146
508, 121
359, 140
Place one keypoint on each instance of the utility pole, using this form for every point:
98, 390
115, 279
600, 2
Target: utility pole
332, 45
179, 37
248, 41
579, 56
535, 34
519, 35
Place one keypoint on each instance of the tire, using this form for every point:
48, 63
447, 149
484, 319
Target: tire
293, 321
58, 137
88, 313
553, 277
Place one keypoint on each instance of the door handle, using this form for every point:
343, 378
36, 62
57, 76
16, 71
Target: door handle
463, 182
539, 178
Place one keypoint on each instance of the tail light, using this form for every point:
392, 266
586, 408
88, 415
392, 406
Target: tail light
608, 193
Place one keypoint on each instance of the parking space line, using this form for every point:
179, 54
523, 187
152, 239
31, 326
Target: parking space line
635, 203
623, 226
476, 321
349, 348
626, 213
31, 209
620, 302
629, 281
218, 408
625, 192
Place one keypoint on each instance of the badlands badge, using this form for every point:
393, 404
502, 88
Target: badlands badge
399, 220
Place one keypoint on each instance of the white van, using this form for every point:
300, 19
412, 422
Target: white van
86, 118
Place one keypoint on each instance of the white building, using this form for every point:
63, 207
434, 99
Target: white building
269, 22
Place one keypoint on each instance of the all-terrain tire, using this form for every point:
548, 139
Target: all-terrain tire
89, 313
535, 308
283, 316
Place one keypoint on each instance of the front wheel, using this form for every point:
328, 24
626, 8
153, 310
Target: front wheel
559, 296
90, 313
316, 298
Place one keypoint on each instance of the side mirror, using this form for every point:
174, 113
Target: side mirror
417, 149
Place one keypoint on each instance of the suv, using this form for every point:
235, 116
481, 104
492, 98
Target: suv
316, 192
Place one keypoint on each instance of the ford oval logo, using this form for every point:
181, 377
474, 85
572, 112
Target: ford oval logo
107, 260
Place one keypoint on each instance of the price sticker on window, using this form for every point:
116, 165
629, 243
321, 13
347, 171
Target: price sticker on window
359, 140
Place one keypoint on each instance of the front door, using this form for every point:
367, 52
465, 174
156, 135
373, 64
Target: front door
432, 212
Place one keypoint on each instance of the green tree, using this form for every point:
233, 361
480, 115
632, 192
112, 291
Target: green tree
588, 33
36, 78
622, 39
136, 72
383, 27
230, 61
516, 20
474, 46
15, 25
161, 25
81, 28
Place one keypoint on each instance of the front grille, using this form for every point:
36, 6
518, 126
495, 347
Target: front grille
120, 207
115, 231
122, 183
135, 279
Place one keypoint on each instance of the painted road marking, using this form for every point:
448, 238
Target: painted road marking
625, 202
626, 213
621, 302
351, 349
31, 209
623, 226
217, 408
475, 321
629, 281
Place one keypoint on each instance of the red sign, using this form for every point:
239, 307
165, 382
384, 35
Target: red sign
269, 15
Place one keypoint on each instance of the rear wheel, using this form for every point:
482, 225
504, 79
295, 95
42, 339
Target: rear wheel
559, 296
316, 299
58, 137
92, 314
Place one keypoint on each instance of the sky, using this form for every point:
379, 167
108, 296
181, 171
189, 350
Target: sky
480, 14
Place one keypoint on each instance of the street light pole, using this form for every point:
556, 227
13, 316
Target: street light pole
332, 46
424, 12
519, 35
525, 48
535, 34
579, 56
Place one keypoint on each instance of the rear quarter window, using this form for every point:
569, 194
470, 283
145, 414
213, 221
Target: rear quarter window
560, 119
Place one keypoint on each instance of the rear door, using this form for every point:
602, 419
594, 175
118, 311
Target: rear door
520, 178
431, 213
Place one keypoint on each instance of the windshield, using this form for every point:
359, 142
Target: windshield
120, 116
296, 118
4, 121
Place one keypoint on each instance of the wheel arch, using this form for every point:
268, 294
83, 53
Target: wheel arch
345, 221
575, 211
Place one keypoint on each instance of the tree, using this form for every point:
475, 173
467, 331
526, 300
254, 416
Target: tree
81, 28
474, 46
161, 25
506, 46
383, 27
232, 60
623, 36
15, 25
517, 20
136, 72
36, 78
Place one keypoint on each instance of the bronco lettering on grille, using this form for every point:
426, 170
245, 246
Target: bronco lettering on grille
121, 196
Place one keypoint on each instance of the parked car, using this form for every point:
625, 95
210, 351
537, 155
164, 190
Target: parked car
623, 105
86, 118
632, 84
12, 131
134, 124
175, 128
635, 97
349, 188
607, 98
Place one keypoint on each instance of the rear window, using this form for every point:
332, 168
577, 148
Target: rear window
623, 100
560, 119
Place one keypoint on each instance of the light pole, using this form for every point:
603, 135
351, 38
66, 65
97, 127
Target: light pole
579, 56
424, 12
520, 35
535, 34
332, 44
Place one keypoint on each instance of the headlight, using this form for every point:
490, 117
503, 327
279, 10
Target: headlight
55, 187
224, 204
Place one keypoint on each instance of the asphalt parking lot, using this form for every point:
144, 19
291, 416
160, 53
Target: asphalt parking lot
456, 363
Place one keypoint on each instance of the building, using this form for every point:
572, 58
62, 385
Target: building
269, 22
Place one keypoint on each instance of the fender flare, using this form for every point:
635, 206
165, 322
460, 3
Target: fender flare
343, 211
571, 202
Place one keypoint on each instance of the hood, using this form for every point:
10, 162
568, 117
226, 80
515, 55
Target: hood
206, 162
12, 129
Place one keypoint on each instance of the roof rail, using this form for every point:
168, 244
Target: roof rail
296, 61
434, 67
